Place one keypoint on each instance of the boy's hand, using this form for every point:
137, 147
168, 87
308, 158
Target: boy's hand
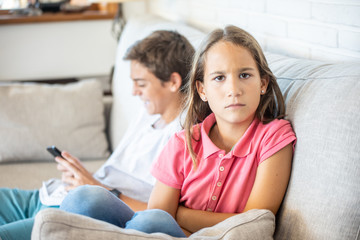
73, 172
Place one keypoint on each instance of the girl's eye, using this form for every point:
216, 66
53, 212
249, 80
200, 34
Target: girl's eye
219, 78
244, 75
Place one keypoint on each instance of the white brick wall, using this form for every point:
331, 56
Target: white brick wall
349, 40
313, 33
348, 15
314, 29
291, 9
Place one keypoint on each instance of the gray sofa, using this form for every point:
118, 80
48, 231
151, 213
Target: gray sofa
323, 196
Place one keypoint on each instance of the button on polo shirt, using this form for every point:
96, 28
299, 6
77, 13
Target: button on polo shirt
225, 162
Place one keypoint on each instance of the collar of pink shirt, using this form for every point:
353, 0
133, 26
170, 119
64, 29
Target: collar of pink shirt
241, 149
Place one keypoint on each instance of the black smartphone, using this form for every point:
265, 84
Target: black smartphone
54, 151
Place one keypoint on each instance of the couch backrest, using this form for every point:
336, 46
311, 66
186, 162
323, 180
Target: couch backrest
323, 105
125, 106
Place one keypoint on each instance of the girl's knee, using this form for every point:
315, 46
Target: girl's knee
149, 221
84, 198
87, 191
155, 220
99, 203
154, 214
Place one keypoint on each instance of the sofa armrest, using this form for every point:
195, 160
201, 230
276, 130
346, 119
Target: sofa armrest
56, 224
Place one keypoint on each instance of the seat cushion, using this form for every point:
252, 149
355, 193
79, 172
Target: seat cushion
30, 175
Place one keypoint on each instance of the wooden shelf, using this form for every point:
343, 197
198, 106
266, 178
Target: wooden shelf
7, 18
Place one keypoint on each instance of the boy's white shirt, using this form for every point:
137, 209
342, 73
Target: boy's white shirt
128, 168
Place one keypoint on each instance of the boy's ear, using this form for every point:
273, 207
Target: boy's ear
175, 82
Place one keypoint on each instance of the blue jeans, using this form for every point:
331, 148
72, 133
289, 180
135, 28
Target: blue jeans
99, 203
17, 211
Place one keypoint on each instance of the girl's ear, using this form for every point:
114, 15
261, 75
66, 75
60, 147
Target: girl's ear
200, 90
264, 83
175, 82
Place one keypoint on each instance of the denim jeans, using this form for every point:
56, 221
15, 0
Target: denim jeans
17, 211
99, 203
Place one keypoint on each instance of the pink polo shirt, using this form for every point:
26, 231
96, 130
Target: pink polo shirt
222, 182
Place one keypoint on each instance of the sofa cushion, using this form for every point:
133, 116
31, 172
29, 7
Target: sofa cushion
323, 105
34, 116
56, 224
30, 175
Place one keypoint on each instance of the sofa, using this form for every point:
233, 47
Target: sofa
323, 196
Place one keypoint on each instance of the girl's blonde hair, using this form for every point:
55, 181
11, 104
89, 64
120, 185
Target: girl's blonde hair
271, 104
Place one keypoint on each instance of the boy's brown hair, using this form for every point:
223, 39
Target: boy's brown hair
163, 53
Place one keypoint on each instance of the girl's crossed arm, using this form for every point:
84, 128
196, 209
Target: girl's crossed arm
267, 193
165, 198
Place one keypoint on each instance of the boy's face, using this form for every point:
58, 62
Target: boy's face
149, 88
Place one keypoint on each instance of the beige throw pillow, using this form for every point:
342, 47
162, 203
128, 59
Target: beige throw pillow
34, 116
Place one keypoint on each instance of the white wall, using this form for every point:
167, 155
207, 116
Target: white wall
313, 29
55, 50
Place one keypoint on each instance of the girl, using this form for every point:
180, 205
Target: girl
238, 156
235, 152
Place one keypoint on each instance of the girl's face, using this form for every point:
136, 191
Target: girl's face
232, 84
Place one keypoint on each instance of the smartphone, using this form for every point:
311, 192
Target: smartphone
54, 151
